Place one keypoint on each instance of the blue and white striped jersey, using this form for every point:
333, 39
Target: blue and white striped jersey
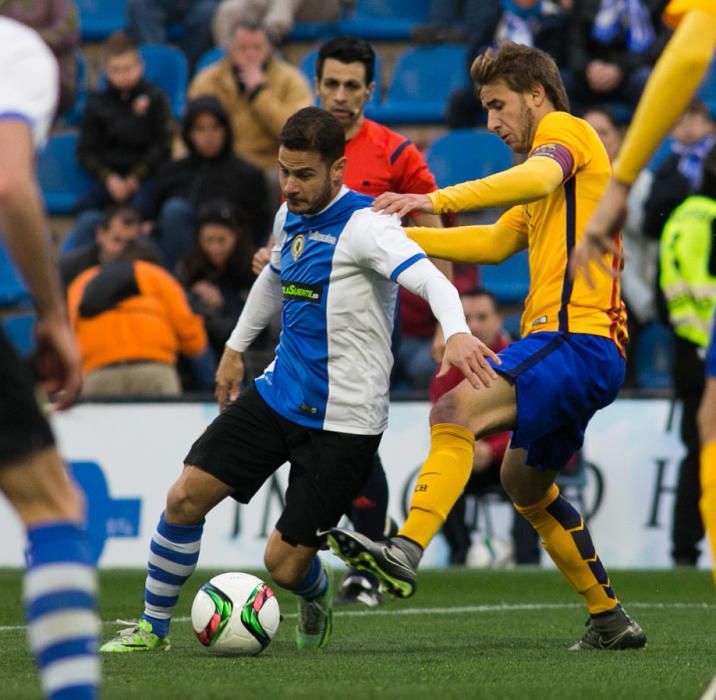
29, 90
337, 270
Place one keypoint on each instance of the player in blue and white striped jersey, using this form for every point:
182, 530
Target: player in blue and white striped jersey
322, 404
60, 582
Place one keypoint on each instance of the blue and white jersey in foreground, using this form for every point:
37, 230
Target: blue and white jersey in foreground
28, 91
338, 270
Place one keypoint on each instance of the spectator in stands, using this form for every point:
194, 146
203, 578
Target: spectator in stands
277, 17
688, 281
679, 175
124, 137
217, 274
132, 319
485, 322
210, 171
148, 20
57, 22
538, 23
258, 90
120, 225
611, 49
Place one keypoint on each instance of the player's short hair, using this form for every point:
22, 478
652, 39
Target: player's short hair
315, 130
348, 49
521, 67
118, 43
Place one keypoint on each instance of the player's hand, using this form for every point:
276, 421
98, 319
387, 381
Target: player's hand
229, 376
261, 258
57, 360
599, 234
469, 355
402, 204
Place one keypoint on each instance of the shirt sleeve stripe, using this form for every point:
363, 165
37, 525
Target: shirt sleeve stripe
396, 153
405, 265
16, 115
558, 153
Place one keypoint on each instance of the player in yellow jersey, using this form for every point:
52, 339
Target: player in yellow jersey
569, 362
676, 77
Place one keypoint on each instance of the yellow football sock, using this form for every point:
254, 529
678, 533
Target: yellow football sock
566, 539
708, 497
440, 482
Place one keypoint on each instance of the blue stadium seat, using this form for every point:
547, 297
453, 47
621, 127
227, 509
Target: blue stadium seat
308, 68
62, 180
167, 67
381, 20
510, 280
466, 154
20, 331
99, 18
13, 291
423, 79
654, 356
314, 31
209, 57
74, 116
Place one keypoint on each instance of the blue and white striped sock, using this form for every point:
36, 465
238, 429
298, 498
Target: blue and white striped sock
59, 591
172, 559
315, 583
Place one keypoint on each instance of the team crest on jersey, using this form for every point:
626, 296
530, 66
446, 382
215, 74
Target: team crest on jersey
299, 243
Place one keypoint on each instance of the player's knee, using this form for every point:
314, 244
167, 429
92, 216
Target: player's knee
182, 506
444, 410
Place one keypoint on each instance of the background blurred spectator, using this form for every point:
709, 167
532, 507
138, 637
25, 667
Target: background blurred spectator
132, 319
277, 17
485, 323
539, 23
124, 137
120, 225
679, 175
217, 274
210, 171
148, 20
688, 281
612, 47
258, 90
456, 20
57, 22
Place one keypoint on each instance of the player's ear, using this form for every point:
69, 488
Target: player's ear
369, 90
338, 168
538, 94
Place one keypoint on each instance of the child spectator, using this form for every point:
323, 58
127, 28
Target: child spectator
209, 172
124, 137
217, 274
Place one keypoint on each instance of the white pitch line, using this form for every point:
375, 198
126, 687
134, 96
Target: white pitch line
458, 610
710, 692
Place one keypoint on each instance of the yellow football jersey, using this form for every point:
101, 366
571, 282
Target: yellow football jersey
676, 9
555, 224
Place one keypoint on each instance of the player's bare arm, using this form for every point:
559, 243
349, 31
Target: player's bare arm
229, 375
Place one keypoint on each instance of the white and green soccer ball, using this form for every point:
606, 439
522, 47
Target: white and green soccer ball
235, 614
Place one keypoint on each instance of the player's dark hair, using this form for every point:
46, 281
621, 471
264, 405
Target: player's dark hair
348, 49
316, 130
521, 67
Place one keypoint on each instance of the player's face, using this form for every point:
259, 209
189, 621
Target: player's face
307, 183
125, 70
207, 135
217, 242
342, 90
509, 115
114, 239
483, 320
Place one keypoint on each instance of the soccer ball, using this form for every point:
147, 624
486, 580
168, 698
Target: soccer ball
235, 614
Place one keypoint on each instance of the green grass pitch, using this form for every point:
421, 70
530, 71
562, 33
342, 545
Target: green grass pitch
466, 634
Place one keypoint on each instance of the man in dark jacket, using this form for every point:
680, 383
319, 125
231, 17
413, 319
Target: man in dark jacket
126, 131
208, 173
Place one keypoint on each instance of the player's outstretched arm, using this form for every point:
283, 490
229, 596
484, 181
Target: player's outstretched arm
485, 245
22, 222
